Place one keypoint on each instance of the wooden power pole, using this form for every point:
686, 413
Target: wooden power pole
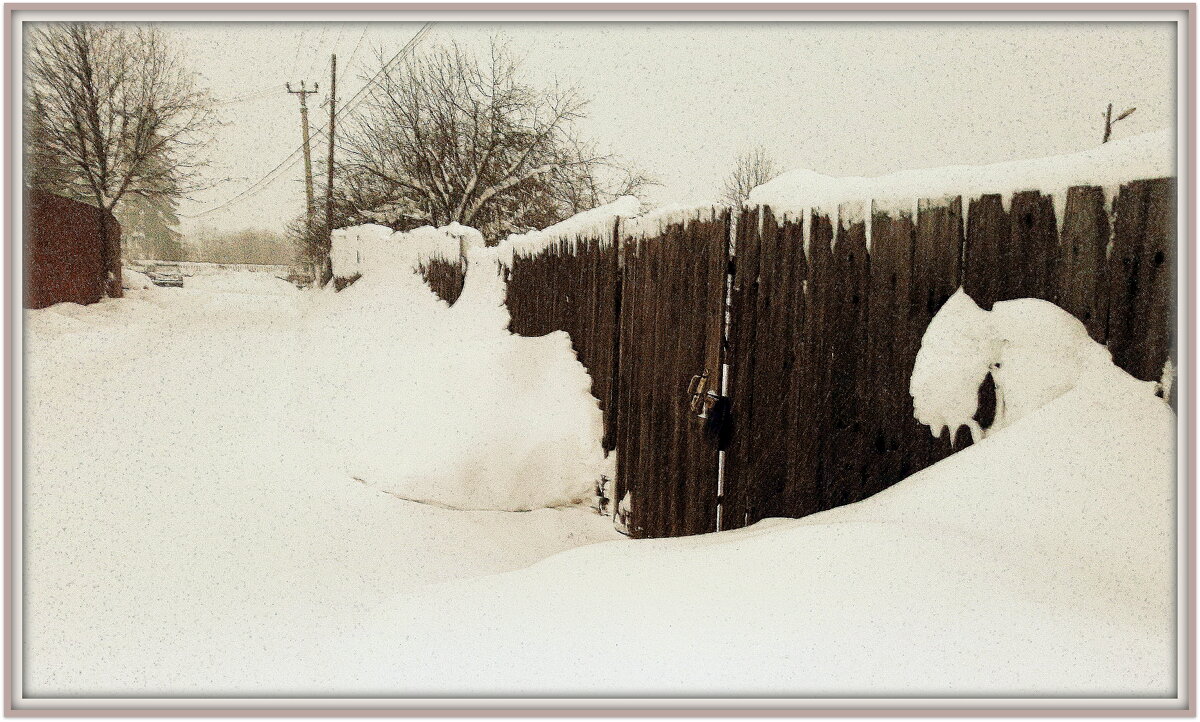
327, 272
308, 177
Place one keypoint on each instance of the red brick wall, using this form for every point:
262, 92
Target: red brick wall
64, 260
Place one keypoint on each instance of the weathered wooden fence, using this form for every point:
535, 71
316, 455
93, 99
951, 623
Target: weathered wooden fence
819, 331
574, 286
445, 277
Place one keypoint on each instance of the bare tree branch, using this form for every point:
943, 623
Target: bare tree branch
753, 168
454, 137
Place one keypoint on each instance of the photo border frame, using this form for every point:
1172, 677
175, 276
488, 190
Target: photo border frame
1183, 705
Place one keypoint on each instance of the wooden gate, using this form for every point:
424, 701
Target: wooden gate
670, 375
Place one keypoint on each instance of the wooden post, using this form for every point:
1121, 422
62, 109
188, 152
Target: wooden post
303, 92
327, 267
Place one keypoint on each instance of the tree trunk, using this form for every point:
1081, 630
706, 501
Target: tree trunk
110, 252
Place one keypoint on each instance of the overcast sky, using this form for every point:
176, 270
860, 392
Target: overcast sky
681, 100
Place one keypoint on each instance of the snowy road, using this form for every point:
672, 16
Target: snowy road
185, 523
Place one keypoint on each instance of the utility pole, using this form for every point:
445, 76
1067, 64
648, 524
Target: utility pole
303, 92
327, 269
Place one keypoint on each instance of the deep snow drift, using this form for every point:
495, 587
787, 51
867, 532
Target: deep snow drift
441, 404
189, 530
1037, 562
382, 251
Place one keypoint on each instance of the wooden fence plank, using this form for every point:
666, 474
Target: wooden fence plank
937, 255
1142, 268
843, 450
987, 251
739, 459
1033, 248
1082, 266
891, 345
821, 277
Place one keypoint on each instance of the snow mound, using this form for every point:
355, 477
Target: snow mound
1150, 155
133, 280
1034, 350
185, 439
442, 404
372, 248
1038, 562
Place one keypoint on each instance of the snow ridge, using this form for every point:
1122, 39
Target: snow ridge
1150, 155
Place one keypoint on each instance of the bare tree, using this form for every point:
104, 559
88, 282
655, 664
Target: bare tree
117, 112
753, 168
452, 137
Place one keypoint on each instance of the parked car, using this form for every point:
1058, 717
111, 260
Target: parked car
166, 274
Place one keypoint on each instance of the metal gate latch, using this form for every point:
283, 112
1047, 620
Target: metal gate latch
702, 399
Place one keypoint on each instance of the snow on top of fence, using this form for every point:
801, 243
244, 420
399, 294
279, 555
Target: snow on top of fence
1151, 155
357, 249
594, 223
656, 221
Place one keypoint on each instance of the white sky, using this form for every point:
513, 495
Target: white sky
681, 100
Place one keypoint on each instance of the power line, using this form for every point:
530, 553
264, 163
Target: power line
254, 95
357, 97
319, 51
273, 174
354, 54
299, 45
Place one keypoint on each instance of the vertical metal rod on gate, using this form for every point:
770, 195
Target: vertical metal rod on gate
726, 316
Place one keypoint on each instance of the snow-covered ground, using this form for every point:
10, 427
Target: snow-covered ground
1038, 562
212, 483
192, 525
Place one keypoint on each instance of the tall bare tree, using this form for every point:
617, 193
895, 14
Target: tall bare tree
753, 168
450, 136
119, 114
